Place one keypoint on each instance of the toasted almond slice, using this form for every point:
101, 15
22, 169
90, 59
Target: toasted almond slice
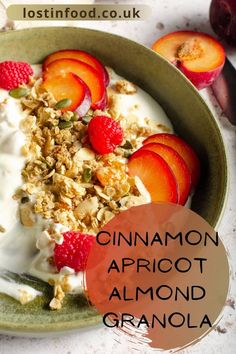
84, 154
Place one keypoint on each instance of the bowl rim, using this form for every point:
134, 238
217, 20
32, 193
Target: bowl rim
50, 329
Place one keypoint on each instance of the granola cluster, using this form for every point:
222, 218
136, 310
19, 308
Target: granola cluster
65, 180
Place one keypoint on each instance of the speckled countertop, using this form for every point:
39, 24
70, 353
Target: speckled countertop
167, 15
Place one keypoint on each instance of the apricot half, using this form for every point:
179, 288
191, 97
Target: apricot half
199, 56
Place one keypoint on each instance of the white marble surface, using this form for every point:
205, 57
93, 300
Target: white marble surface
167, 15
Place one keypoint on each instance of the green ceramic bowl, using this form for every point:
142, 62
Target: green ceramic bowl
191, 119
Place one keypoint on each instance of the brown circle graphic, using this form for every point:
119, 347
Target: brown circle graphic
158, 272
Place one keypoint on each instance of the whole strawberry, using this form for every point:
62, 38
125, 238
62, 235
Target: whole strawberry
74, 250
104, 134
14, 73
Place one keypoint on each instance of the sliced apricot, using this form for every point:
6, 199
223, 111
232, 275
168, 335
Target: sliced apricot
183, 149
78, 55
155, 174
89, 75
71, 87
178, 167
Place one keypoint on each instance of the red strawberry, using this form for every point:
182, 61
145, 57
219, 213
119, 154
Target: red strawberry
104, 134
74, 250
14, 73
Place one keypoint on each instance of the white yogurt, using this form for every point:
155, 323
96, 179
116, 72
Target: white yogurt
16, 246
11, 161
139, 106
24, 249
37, 69
18, 251
21, 292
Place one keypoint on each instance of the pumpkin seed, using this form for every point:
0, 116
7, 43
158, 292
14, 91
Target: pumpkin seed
86, 119
127, 145
90, 112
127, 154
75, 117
65, 125
25, 200
18, 92
87, 175
66, 102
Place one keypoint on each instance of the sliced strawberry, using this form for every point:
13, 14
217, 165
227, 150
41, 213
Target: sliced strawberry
155, 174
78, 55
183, 149
89, 75
74, 250
71, 87
178, 167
